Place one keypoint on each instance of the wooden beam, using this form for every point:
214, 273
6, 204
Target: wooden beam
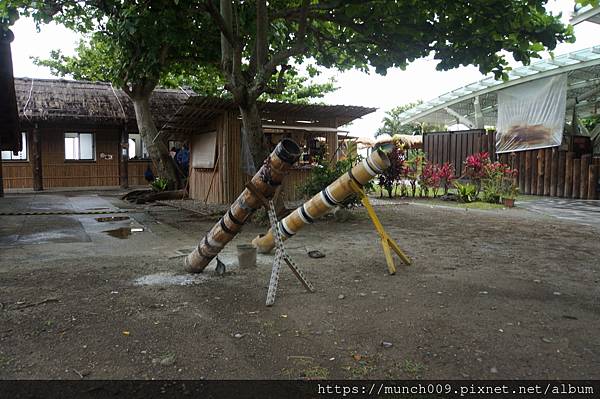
569, 174
592, 182
36, 159
547, 170
586, 160
576, 178
124, 157
554, 172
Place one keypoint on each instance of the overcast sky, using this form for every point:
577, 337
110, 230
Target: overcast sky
420, 81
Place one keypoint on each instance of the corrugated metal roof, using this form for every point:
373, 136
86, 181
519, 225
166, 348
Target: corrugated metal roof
582, 68
198, 111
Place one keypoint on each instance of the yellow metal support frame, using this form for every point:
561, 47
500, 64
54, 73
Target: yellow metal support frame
386, 242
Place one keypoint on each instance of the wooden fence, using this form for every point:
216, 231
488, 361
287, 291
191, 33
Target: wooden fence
454, 147
555, 173
549, 171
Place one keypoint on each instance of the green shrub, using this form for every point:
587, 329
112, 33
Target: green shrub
466, 192
160, 184
324, 173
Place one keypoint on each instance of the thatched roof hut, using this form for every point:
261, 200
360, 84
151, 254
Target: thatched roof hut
97, 103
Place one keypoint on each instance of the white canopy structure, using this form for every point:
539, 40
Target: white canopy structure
476, 105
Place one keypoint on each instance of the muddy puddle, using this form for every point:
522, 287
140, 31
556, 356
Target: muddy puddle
123, 232
112, 218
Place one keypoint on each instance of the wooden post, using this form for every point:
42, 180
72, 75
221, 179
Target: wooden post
540, 172
560, 184
1, 180
585, 165
592, 182
554, 172
547, 170
576, 178
124, 158
527, 172
569, 174
36, 158
521, 158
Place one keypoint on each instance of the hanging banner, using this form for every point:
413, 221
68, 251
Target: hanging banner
531, 115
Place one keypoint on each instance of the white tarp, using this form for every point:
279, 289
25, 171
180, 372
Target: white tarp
531, 115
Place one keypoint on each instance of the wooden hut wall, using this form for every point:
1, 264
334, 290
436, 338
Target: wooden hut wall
207, 183
228, 178
58, 172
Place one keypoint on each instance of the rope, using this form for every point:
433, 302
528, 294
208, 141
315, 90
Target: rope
119, 101
28, 99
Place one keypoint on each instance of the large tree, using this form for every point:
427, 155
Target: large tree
140, 42
258, 40
93, 61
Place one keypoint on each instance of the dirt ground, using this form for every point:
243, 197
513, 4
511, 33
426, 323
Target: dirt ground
503, 294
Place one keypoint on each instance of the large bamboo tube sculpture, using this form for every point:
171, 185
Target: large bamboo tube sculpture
266, 180
326, 200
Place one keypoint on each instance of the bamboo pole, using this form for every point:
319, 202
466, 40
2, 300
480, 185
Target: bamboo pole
593, 182
554, 172
585, 165
576, 178
325, 201
547, 170
265, 181
569, 174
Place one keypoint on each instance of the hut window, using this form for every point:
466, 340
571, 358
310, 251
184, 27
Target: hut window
137, 147
79, 146
21, 155
204, 150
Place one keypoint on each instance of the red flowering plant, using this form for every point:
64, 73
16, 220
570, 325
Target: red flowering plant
475, 168
429, 179
446, 175
414, 166
391, 176
498, 182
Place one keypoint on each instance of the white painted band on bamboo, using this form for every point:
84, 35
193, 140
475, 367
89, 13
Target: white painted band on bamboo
368, 167
329, 191
288, 229
214, 244
325, 201
300, 214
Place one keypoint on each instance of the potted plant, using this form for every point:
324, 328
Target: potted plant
510, 190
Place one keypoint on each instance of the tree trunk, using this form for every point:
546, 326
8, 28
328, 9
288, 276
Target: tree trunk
156, 146
252, 124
